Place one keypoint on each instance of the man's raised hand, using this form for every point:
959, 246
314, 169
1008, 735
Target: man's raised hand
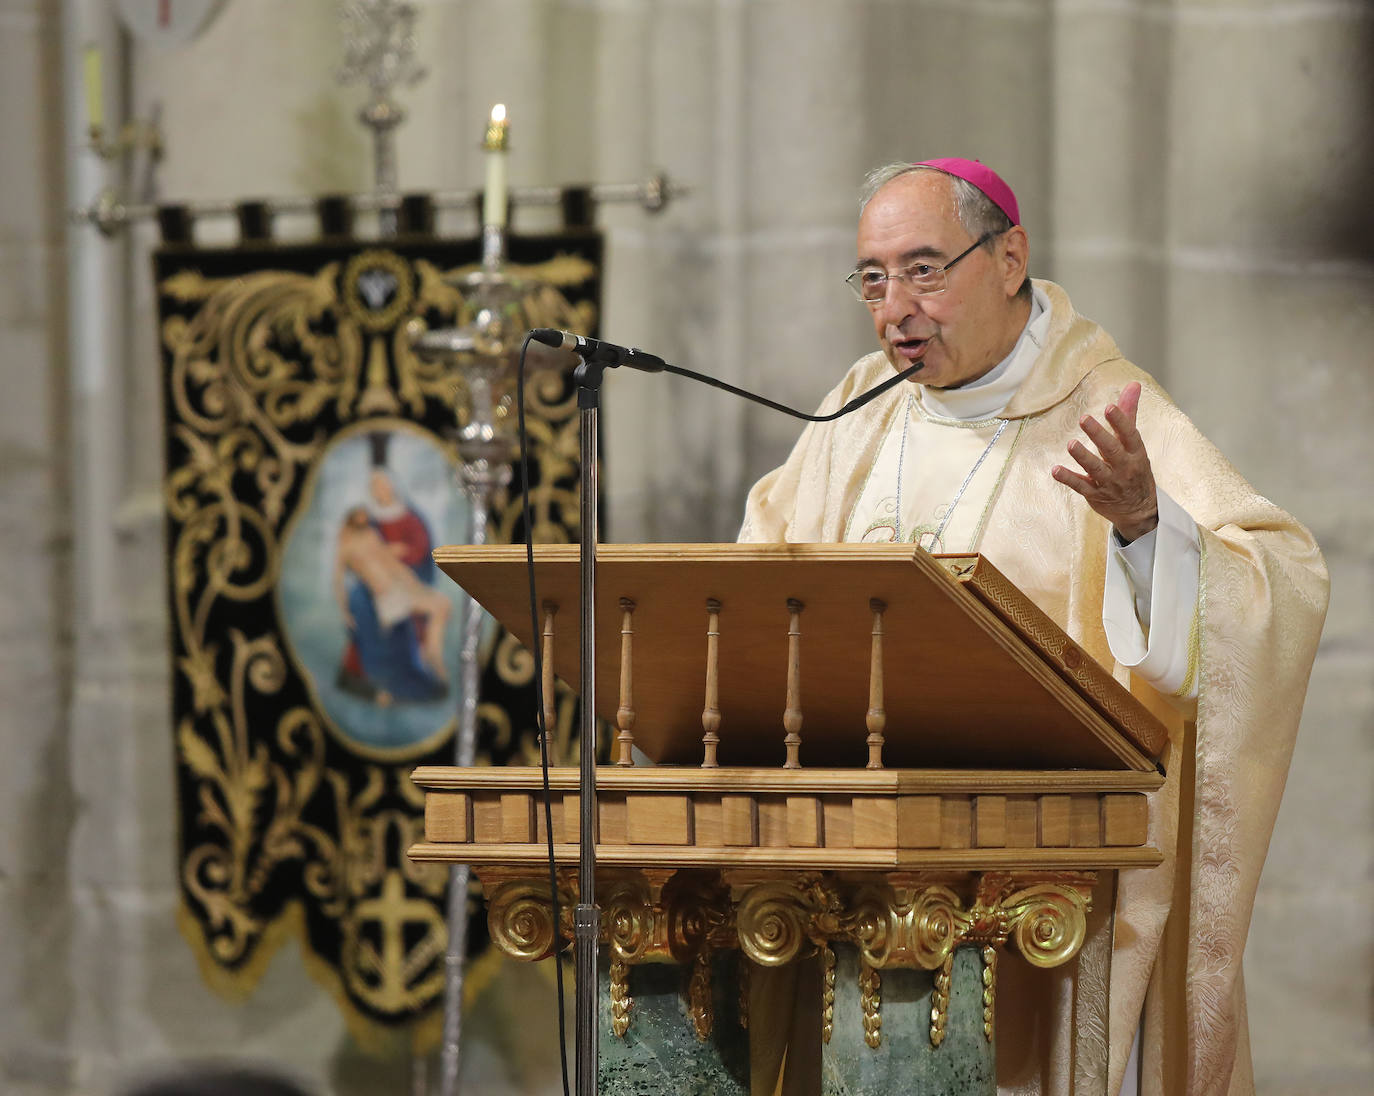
1117, 481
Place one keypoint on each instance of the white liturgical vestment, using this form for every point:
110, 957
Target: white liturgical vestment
936, 486
1212, 621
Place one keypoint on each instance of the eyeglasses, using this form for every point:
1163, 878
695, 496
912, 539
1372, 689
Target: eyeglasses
922, 279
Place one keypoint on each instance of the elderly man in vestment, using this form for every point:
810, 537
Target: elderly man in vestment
1026, 436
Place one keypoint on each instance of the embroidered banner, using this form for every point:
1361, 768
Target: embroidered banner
311, 469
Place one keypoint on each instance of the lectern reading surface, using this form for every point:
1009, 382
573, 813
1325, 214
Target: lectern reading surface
974, 674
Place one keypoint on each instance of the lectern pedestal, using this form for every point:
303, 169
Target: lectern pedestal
909, 886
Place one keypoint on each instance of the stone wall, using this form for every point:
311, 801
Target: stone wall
1191, 170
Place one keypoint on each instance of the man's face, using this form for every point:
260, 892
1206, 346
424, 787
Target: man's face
957, 335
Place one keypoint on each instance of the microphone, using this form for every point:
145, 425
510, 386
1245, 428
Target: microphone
594, 350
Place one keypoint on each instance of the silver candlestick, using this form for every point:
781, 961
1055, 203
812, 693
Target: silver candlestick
484, 351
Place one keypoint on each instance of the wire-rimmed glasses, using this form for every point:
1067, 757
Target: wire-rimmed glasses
869, 283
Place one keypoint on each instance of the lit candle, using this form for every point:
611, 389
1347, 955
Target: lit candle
495, 144
95, 112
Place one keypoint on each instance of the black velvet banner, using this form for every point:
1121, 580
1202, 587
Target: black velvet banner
311, 469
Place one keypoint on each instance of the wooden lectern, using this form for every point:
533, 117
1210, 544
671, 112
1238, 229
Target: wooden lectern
888, 766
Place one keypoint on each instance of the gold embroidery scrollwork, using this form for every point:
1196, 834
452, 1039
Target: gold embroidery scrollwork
238, 784
389, 941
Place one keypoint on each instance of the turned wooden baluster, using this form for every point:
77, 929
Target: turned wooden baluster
877, 716
792, 717
625, 714
550, 702
710, 715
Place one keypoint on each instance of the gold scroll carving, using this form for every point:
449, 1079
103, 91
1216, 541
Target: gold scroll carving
903, 920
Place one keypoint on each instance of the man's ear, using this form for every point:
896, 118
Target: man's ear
1014, 256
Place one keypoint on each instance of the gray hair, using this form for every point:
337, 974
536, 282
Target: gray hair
978, 214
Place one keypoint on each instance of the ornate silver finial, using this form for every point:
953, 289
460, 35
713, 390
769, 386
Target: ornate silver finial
379, 45
379, 48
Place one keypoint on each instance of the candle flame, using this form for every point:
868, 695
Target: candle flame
496, 137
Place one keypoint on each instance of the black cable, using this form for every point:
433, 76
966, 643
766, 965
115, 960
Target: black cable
537, 647
853, 405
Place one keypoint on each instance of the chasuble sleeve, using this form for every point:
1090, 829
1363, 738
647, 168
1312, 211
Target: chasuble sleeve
1243, 644
1262, 607
770, 511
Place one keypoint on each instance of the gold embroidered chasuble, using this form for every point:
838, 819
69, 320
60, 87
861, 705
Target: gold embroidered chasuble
932, 481
1263, 592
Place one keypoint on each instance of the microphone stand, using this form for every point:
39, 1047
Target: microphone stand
586, 916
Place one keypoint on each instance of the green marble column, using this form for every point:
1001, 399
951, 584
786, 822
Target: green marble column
905, 1062
660, 1054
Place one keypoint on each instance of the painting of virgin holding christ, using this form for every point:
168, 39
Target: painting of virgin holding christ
367, 615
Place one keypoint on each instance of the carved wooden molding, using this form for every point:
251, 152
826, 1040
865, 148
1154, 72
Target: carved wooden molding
818, 819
